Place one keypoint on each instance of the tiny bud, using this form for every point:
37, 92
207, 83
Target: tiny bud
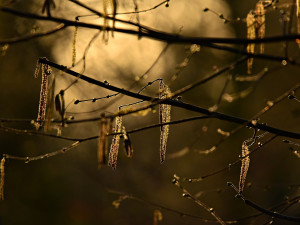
174, 181
211, 209
291, 97
249, 185
238, 196
270, 103
259, 144
254, 122
190, 180
27, 160
229, 184
284, 62
185, 195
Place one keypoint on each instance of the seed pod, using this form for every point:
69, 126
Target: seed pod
127, 143
60, 106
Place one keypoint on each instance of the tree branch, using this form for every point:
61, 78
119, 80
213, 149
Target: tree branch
172, 102
32, 36
263, 210
152, 33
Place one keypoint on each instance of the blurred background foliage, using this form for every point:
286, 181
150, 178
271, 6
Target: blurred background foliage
69, 189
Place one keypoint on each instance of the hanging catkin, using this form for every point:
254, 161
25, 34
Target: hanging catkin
114, 147
260, 23
251, 34
50, 100
2, 178
244, 167
46, 71
74, 45
164, 117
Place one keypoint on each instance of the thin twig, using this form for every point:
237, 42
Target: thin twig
33, 36
28, 159
188, 195
226, 168
263, 210
132, 197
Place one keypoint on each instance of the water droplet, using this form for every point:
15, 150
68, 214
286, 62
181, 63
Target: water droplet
211, 209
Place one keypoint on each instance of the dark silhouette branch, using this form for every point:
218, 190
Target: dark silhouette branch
144, 31
263, 210
172, 102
